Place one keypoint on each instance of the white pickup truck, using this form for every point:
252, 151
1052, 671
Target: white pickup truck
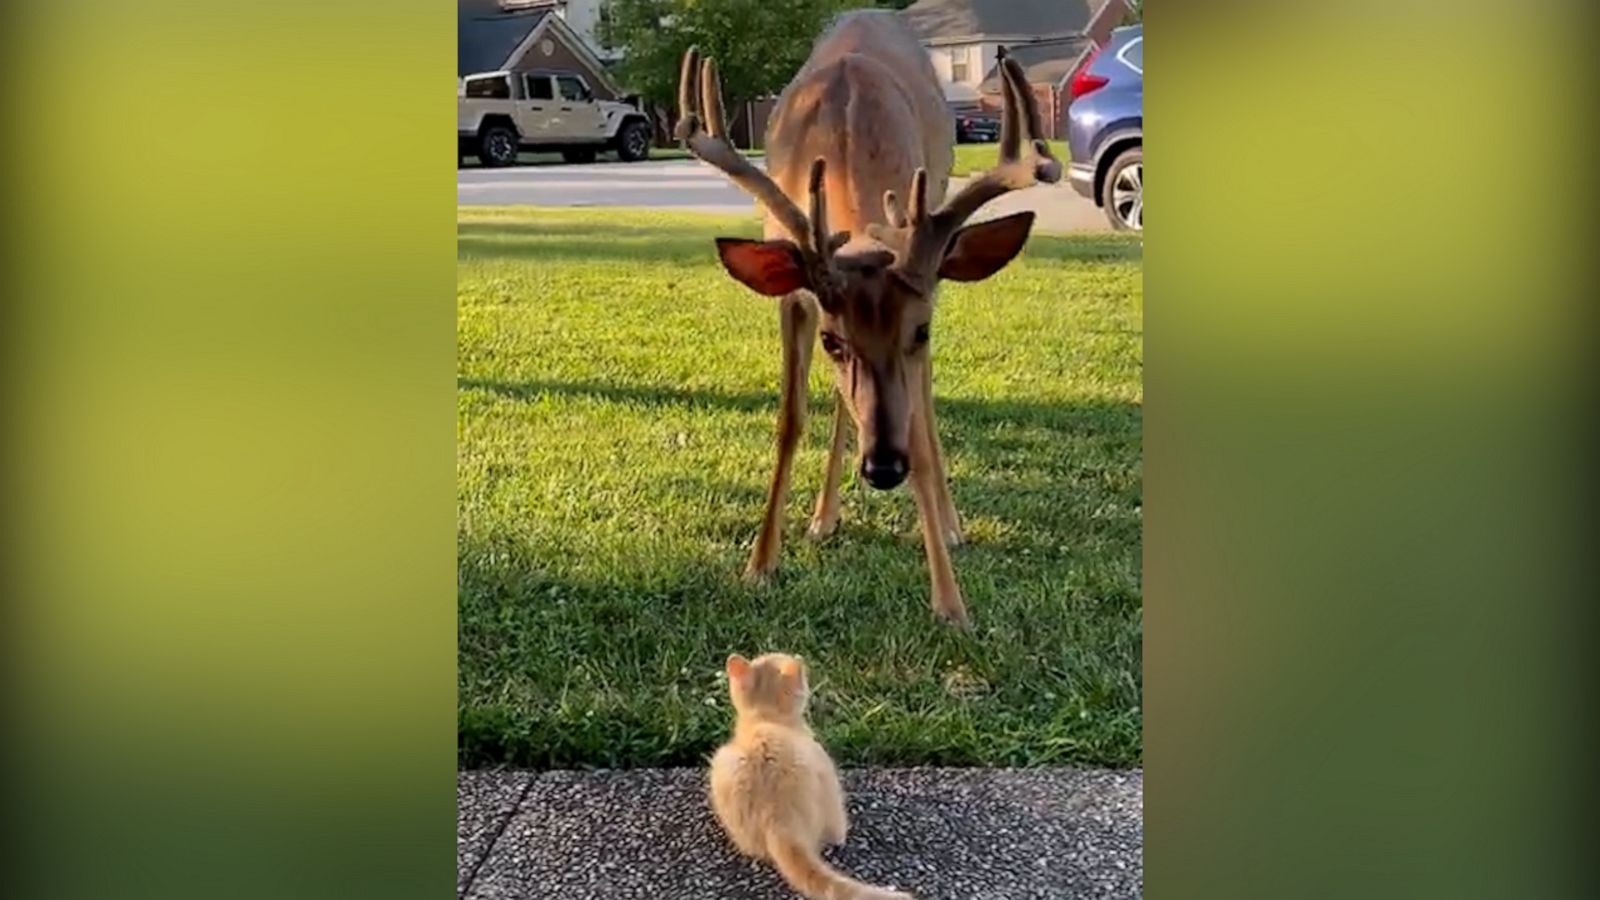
499, 114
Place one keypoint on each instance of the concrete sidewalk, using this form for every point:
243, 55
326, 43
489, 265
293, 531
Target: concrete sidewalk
943, 834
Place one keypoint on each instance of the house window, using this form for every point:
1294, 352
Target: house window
961, 64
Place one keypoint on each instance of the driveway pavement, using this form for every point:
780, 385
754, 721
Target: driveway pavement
691, 185
942, 834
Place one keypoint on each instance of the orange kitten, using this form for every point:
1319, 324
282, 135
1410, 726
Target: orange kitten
774, 788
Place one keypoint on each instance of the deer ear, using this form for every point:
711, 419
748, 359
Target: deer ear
981, 250
738, 667
773, 268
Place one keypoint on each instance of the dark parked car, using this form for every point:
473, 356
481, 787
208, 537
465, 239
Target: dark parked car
976, 128
1105, 129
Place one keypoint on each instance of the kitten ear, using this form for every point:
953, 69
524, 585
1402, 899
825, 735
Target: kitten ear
738, 667
793, 667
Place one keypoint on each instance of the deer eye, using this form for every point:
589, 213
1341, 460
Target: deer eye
832, 345
920, 339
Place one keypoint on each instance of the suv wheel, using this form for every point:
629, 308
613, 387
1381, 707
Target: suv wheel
1123, 192
633, 144
586, 155
497, 146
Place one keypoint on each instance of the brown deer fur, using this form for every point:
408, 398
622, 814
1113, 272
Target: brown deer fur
863, 121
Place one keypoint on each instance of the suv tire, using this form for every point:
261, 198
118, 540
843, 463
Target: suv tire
497, 145
1122, 194
633, 142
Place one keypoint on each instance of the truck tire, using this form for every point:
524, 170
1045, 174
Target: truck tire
497, 145
582, 155
633, 142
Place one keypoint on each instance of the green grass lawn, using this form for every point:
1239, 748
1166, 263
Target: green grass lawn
617, 396
972, 158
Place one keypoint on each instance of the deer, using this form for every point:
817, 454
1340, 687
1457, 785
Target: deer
863, 120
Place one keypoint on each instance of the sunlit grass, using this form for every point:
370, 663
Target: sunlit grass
615, 431
972, 158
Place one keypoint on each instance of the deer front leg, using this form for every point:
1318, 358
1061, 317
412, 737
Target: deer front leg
826, 517
798, 323
950, 522
945, 594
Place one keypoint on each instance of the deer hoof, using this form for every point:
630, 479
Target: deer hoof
952, 612
759, 574
822, 528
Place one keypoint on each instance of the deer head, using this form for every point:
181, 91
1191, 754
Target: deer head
875, 292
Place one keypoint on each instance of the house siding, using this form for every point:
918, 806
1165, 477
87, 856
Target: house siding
583, 16
984, 54
988, 56
561, 57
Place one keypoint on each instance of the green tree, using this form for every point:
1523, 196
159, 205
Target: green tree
758, 44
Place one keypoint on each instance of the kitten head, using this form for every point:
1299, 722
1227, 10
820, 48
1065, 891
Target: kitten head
773, 686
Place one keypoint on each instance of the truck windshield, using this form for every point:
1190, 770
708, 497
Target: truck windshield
573, 88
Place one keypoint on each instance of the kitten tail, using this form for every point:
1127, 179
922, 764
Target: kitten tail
814, 879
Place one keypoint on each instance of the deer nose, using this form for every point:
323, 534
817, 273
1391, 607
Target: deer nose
884, 469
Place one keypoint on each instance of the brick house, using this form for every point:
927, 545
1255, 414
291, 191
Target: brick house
515, 35
1050, 38
585, 17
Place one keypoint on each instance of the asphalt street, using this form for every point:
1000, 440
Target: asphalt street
692, 186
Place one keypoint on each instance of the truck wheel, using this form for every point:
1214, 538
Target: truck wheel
585, 155
497, 146
633, 144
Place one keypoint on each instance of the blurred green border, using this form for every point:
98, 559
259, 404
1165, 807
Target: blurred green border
233, 448
1370, 333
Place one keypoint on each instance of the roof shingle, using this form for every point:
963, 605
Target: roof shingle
1041, 63
486, 34
949, 20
